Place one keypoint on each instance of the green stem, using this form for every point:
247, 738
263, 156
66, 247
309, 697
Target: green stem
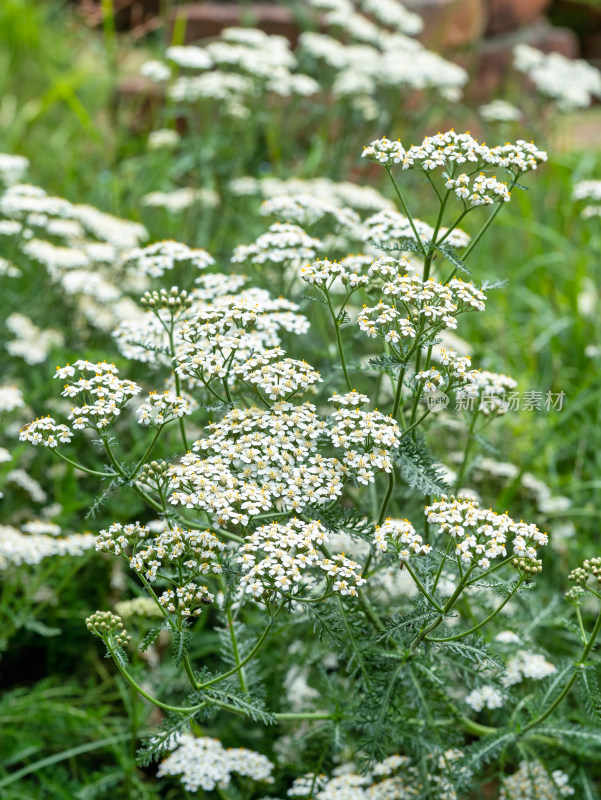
146, 453
387, 496
153, 700
466, 452
356, 650
422, 588
94, 472
430, 255
484, 621
406, 212
244, 661
566, 690
339, 342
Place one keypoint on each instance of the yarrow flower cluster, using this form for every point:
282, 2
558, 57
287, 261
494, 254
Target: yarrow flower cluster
262, 459
170, 549
572, 83
588, 190
533, 782
397, 776
46, 432
156, 259
159, 409
227, 339
481, 535
400, 536
485, 697
484, 190
26, 547
526, 665
490, 389
279, 380
103, 393
283, 245
390, 228
203, 763
367, 437
414, 306
275, 557
450, 150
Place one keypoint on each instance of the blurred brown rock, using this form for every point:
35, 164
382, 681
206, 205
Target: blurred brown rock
508, 15
204, 20
495, 55
449, 23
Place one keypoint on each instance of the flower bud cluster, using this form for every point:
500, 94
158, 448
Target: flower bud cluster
173, 300
530, 566
155, 475
109, 627
591, 568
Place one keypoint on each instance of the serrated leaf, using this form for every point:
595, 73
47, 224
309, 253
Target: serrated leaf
475, 649
150, 638
487, 748
181, 642
587, 680
387, 364
416, 465
403, 245
450, 254
248, 706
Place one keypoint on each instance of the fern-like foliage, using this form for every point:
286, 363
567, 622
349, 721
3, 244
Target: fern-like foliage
416, 461
451, 255
589, 685
181, 641
157, 746
248, 706
473, 648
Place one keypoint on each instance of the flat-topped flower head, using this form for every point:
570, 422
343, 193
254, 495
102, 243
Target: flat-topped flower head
481, 535
203, 763
156, 259
400, 537
159, 409
450, 150
282, 244
352, 399
276, 557
46, 432
279, 380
